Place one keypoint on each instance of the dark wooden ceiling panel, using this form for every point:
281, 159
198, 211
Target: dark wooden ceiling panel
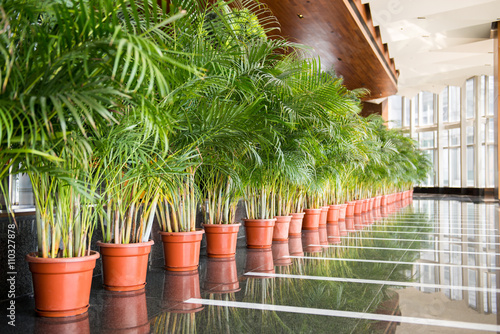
341, 33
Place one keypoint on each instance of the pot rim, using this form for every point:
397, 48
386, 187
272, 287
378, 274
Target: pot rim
33, 258
222, 225
198, 231
129, 245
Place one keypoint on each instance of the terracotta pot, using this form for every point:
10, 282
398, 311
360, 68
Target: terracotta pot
179, 287
310, 241
259, 261
333, 214
125, 312
383, 200
124, 266
221, 276
78, 324
378, 200
296, 224
281, 254
221, 239
358, 207
371, 204
62, 285
350, 209
311, 219
281, 228
323, 215
323, 236
181, 250
342, 228
342, 211
364, 206
295, 246
259, 232
349, 224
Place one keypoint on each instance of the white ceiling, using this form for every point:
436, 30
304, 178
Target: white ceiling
436, 43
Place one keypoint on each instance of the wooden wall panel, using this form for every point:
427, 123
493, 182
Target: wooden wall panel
338, 32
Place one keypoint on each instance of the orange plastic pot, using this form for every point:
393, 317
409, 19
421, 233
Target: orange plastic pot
383, 200
323, 215
311, 219
124, 266
125, 312
358, 207
350, 209
178, 287
281, 228
281, 254
333, 214
62, 285
365, 205
259, 232
342, 211
296, 224
181, 250
221, 239
221, 276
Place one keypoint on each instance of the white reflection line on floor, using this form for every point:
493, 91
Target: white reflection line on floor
391, 262
441, 234
424, 227
414, 250
346, 314
429, 240
374, 281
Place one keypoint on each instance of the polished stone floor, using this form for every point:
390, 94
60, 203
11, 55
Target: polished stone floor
427, 266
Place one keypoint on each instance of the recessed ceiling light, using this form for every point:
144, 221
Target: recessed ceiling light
426, 36
421, 18
300, 16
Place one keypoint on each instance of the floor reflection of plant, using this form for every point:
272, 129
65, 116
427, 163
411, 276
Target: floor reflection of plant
169, 322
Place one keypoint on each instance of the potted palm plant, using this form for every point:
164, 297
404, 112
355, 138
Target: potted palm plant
221, 194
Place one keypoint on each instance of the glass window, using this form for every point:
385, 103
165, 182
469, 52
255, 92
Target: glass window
482, 134
469, 98
482, 166
491, 130
470, 166
427, 108
395, 105
482, 95
491, 166
455, 137
446, 171
414, 101
455, 167
491, 95
427, 139
454, 104
443, 98
470, 135
407, 114
445, 138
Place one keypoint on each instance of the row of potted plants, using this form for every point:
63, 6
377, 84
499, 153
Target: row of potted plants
126, 113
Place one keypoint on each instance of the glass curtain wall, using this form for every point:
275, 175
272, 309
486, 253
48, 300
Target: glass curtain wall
455, 129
